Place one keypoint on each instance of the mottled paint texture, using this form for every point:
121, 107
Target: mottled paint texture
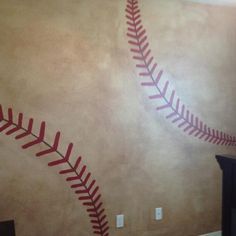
69, 63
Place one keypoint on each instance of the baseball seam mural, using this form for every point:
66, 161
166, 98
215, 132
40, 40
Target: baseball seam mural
83, 183
178, 114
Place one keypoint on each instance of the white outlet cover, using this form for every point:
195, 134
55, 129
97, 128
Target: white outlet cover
158, 213
120, 219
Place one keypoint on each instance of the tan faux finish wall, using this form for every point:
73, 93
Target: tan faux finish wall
68, 63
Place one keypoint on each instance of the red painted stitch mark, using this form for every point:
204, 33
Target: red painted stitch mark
85, 187
189, 123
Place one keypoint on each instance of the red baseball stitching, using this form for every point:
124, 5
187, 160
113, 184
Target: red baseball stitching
84, 186
178, 113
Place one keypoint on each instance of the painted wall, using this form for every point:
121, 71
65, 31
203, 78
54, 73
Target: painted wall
69, 63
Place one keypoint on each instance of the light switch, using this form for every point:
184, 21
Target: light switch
120, 221
158, 213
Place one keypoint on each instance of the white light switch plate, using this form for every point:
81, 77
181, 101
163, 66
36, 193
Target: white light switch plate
120, 221
158, 213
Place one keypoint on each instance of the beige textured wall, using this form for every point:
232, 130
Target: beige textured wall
68, 63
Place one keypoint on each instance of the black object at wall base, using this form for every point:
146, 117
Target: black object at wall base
228, 166
7, 228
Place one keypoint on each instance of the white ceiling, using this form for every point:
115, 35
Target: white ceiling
217, 2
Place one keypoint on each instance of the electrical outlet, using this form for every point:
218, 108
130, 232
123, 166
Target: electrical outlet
158, 213
120, 221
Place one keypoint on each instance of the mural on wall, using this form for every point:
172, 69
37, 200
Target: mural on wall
83, 183
178, 114
50, 48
